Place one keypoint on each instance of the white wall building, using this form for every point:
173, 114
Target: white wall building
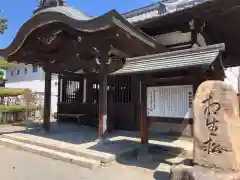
32, 77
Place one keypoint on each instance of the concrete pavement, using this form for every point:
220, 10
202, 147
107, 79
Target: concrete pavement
20, 165
77, 145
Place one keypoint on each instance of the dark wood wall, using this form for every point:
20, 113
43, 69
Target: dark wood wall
123, 96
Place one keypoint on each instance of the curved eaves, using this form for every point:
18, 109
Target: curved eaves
100, 23
45, 18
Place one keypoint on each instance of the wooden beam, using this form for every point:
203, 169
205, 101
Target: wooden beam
61, 61
144, 122
154, 81
182, 44
65, 73
48, 40
47, 102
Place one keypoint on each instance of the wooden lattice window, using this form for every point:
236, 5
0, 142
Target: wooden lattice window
121, 87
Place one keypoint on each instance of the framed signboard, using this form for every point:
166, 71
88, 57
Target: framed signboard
170, 101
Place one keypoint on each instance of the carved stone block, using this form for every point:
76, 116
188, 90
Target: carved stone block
216, 126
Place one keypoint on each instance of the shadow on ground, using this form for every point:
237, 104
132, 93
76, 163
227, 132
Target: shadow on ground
77, 135
158, 158
151, 159
81, 136
69, 133
114, 147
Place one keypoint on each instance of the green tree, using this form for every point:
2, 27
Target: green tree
1, 75
4, 64
3, 25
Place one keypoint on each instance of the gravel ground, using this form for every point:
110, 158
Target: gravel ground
20, 165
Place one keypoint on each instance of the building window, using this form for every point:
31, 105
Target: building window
35, 68
12, 72
25, 70
18, 72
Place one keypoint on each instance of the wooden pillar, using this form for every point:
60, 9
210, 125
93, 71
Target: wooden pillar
63, 89
144, 122
84, 90
110, 106
102, 128
136, 100
47, 101
59, 99
89, 91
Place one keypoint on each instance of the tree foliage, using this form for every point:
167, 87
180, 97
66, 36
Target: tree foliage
3, 66
3, 63
3, 25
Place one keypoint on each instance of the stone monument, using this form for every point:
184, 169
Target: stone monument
216, 133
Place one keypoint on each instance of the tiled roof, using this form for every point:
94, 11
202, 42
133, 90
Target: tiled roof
70, 12
171, 60
140, 14
160, 8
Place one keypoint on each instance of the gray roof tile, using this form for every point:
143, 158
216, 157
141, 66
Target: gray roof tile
170, 60
140, 14
70, 12
159, 9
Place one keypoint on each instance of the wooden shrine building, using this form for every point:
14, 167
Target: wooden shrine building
124, 73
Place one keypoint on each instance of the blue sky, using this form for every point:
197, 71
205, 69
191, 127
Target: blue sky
19, 11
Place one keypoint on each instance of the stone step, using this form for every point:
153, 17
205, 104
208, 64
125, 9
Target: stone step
65, 157
61, 147
174, 160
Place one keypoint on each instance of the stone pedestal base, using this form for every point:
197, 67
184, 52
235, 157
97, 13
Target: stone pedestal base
102, 141
143, 154
200, 173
